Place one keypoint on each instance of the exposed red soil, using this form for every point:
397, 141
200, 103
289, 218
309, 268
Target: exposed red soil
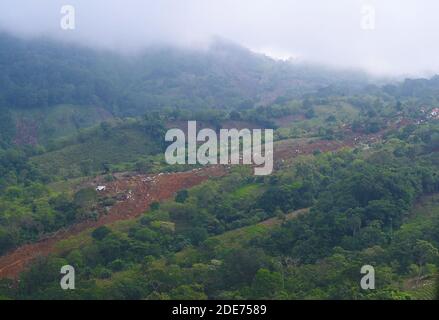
276, 221
290, 149
26, 132
287, 120
137, 192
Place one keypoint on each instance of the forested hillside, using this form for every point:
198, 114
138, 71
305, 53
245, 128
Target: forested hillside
250, 243
355, 177
40, 73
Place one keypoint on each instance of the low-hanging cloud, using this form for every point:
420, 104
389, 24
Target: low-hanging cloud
402, 39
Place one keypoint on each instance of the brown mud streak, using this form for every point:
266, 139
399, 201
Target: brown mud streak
141, 190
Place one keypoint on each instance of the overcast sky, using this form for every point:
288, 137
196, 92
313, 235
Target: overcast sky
390, 37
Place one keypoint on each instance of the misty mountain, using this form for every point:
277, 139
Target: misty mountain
41, 73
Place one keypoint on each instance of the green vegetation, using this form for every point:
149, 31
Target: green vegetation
249, 243
96, 150
27, 206
70, 114
41, 73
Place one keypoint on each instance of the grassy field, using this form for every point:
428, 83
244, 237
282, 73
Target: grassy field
82, 158
62, 120
238, 237
425, 291
248, 190
342, 112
